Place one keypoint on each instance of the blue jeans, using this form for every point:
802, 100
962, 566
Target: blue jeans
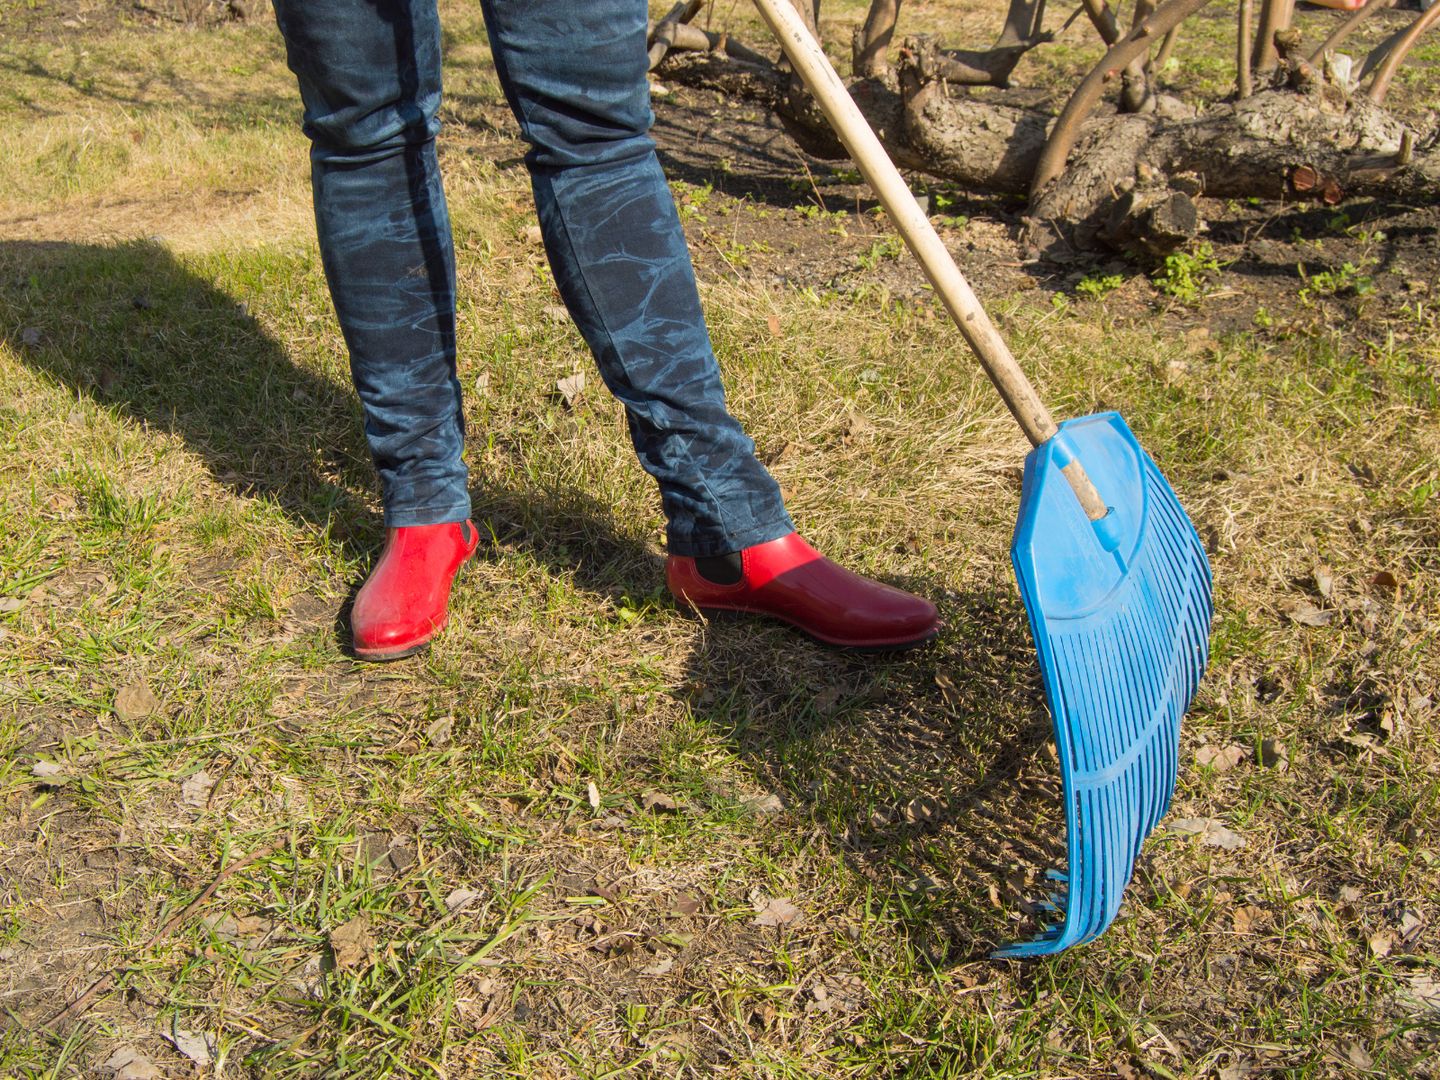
573, 72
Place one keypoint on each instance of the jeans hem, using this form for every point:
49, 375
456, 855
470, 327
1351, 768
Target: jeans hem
710, 545
427, 515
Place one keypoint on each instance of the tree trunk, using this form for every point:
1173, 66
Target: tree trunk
1131, 181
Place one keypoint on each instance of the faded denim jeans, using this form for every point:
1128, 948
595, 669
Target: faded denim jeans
573, 72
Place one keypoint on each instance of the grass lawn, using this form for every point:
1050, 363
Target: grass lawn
587, 835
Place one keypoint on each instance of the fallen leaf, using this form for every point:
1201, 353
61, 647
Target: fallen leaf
685, 904
1363, 472
605, 892
127, 1063
825, 701
50, 774
195, 791
482, 383
1306, 613
1324, 579
556, 313
533, 235
767, 804
570, 388
11, 603
459, 899
136, 702
1424, 990
1410, 924
1221, 759
1349, 894
593, 794
655, 800
948, 690
777, 912
252, 926
199, 1047
660, 967
1211, 832
773, 322
1357, 1056
1384, 579
1382, 943
439, 731
922, 808
1245, 917
350, 943
856, 425
836, 993
30, 336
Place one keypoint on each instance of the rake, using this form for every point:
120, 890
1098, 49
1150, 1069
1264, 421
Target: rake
1113, 576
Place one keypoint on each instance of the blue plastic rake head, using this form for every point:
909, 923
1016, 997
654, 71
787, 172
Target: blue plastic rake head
1120, 610
1120, 607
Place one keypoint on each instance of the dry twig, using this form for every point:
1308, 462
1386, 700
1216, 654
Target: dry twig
100, 985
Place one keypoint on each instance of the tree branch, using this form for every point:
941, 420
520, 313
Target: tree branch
1162, 55
990, 67
1275, 15
1103, 20
872, 41
1346, 28
693, 39
662, 35
1134, 85
1082, 101
1380, 84
1244, 82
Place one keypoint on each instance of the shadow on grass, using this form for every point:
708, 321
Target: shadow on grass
914, 766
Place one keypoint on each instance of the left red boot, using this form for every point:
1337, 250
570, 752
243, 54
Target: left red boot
403, 603
790, 580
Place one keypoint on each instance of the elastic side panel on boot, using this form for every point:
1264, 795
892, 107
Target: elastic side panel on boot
1123, 638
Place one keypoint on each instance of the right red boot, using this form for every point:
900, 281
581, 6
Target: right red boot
402, 605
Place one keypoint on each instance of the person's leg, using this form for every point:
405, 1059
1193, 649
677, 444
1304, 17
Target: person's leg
369, 73
574, 72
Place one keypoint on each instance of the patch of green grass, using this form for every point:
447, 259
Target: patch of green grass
1186, 275
1098, 286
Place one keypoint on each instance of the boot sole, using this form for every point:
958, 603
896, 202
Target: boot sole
873, 645
384, 656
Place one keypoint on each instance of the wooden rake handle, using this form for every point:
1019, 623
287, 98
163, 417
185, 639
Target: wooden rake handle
880, 173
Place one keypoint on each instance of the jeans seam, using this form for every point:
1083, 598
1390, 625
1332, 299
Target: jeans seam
584, 279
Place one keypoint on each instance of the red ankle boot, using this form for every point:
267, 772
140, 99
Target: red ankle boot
789, 579
402, 604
